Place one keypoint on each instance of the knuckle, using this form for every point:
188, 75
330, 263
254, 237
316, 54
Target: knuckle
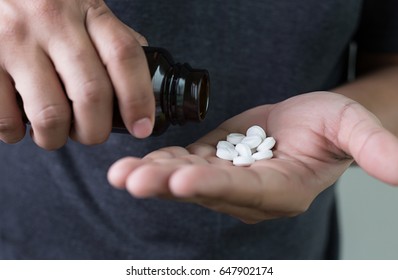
15, 19
94, 91
47, 8
51, 117
12, 27
76, 53
125, 47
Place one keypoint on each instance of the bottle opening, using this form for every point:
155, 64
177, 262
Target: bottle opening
203, 96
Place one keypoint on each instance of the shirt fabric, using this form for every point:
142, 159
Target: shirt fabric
59, 205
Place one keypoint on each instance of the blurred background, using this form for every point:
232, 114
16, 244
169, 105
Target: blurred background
368, 212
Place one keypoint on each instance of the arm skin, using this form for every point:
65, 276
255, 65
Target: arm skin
377, 87
318, 135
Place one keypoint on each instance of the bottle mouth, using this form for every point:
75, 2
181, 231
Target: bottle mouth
203, 92
187, 97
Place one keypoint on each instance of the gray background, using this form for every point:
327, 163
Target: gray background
368, 215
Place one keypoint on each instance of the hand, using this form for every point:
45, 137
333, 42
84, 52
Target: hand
54, 53
318, 136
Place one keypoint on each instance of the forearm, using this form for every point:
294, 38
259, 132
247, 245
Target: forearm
378, 92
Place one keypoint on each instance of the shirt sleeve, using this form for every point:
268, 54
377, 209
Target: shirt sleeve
378, 27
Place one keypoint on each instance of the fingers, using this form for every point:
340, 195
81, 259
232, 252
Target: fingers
265, 189
86, 84
120, 170
125, 61
12, 128
149, 176
169, 177
150, 180
44, 100
249, 194
78, 54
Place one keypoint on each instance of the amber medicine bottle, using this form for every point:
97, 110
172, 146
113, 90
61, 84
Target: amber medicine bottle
181, 92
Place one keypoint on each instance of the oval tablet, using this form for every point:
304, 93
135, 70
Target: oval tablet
225, 144
252, 141
226, 153
265, 154
267, 144
235, 138
243, 150
243, 161
256, 130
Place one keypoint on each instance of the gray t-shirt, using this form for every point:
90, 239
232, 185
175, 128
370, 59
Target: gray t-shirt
59, 205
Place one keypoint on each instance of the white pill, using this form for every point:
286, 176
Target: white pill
252, 141
226, 153
243, 150
243, 161
235, 138
267, 144
225, 144
265, 154
256, 130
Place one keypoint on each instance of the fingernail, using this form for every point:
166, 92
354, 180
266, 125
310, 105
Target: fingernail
142, 128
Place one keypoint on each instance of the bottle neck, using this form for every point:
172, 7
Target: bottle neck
185, 94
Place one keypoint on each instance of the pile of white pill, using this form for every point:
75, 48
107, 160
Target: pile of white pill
245, 149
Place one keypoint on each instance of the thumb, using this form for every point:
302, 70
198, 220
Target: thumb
374, 148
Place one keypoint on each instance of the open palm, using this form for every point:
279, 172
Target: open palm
318, 136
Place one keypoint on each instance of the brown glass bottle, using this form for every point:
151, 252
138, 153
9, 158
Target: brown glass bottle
181, 93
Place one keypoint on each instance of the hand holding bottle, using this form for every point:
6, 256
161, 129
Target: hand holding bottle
67, 60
